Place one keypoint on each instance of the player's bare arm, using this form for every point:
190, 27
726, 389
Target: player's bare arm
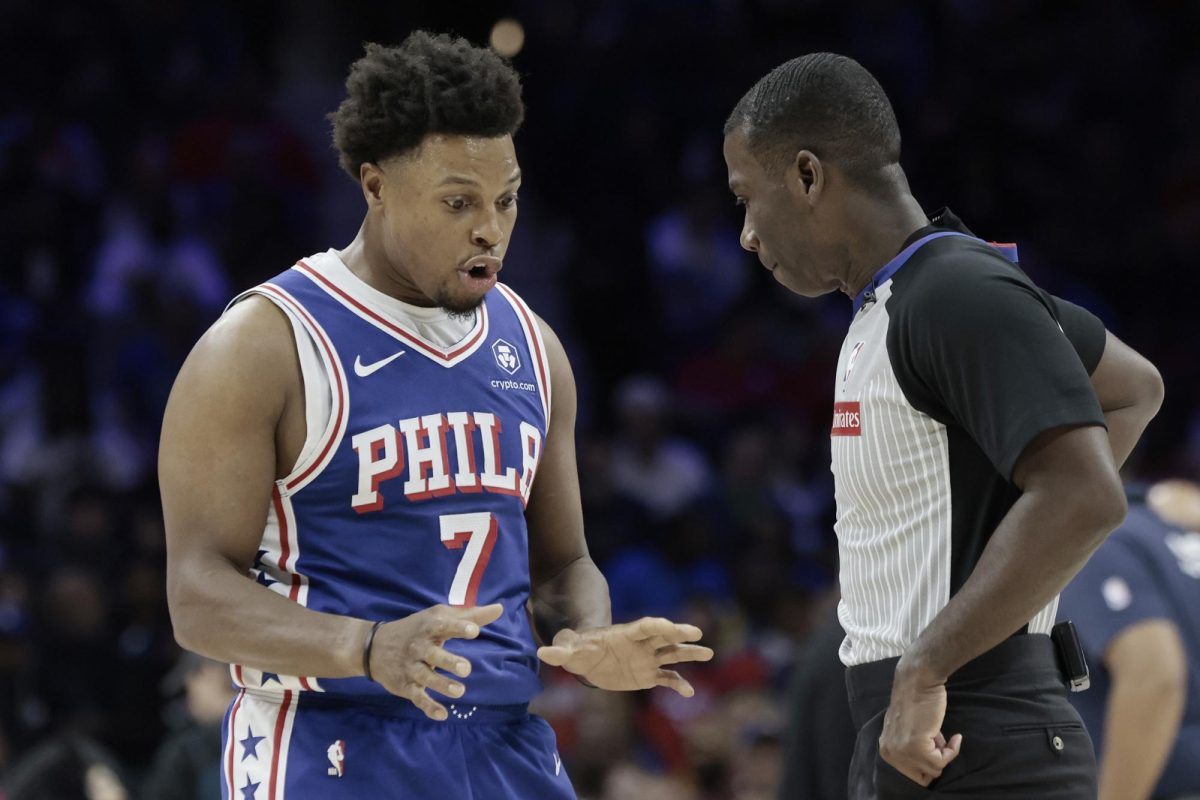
1130, 391
570, 596
235, 423
1149, 667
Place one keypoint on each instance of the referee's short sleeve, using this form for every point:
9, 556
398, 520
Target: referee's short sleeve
1083, 328
974, 343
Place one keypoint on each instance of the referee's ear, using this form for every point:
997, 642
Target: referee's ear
806, 177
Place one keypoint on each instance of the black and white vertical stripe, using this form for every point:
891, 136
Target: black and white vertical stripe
893, 493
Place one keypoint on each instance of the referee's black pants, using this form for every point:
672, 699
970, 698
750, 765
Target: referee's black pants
1021, 736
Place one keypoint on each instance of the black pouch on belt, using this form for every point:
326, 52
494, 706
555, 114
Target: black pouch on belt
1071, 659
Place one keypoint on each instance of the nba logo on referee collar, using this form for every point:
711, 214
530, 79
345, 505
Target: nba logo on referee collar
847, 419
337, 758
850, 361
506, 356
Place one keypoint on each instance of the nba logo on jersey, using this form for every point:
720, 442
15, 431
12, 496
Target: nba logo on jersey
337, 758
850, 361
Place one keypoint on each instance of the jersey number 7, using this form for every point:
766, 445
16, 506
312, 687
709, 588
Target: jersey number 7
475, 534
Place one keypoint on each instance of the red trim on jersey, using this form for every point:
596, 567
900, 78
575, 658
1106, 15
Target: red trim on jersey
304, 683
284, 543
543, 387
430, 350
279, 723
237, 671
233, 740
337, 376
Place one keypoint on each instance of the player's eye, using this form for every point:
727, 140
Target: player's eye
456, 203
508, 201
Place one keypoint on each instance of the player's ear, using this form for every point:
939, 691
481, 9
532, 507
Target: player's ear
806, 177
370, 176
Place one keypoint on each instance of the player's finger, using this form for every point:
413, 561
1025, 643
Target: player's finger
464, 623
433, 709
553, 655
673, 680
436, 681
682, 653
671, 632
440, 658
483, 615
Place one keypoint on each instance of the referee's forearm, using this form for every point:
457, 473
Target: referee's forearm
1038, 547
1125, 427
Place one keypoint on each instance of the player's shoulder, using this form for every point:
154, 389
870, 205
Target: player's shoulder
250, 344
252, 326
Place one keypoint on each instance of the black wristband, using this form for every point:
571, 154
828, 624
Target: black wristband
367, 650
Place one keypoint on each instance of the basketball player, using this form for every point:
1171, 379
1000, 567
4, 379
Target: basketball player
977, 429
403, 425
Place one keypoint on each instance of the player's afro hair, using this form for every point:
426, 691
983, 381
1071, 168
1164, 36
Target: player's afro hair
825, 103
395, 96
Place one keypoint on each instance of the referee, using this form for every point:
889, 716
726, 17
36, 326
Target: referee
978, 425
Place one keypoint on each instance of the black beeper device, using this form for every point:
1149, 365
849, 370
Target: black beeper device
1070, 655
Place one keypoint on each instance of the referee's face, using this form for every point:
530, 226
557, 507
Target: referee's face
781, 222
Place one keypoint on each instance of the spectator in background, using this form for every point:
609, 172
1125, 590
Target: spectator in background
819, 741
662, 473
693, 250
187, 765
1136, 604
70, 767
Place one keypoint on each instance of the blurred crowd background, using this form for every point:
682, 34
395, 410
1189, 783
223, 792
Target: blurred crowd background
158, 156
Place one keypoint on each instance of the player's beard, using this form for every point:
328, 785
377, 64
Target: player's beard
458, 308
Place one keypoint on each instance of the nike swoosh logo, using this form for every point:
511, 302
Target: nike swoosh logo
557, 764
363, 370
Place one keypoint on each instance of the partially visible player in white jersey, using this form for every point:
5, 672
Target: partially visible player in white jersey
404, 424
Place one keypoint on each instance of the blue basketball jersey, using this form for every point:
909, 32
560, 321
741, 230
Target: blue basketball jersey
416, 491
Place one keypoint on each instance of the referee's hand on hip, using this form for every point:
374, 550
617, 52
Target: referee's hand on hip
912, 740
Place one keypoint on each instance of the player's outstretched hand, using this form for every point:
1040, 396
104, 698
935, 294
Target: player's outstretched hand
629, 656
407, 654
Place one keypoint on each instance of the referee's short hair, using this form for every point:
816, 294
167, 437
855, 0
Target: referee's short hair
828, 104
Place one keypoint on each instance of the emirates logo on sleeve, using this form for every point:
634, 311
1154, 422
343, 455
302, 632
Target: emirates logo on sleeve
847, 419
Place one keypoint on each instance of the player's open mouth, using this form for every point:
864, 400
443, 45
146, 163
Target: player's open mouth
479, 273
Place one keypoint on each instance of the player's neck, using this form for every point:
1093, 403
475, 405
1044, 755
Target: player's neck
883, 225
366, 259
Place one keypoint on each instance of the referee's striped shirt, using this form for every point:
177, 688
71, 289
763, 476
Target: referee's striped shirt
945, 376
